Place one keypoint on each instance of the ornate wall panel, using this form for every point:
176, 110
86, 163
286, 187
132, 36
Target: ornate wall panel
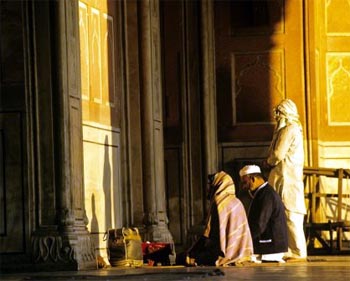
95, 55
338, 88
258, 80
84, 50
108, 61
100, 48
332, 37
337, 17
73, 55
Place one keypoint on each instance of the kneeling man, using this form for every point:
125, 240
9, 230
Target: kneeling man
266, 216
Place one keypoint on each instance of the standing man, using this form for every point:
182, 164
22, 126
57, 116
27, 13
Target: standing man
266, 216
286, 161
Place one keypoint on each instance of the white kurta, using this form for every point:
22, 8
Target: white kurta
286, 156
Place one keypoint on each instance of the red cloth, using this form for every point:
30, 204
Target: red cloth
156, 252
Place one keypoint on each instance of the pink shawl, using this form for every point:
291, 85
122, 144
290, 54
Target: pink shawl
235, 238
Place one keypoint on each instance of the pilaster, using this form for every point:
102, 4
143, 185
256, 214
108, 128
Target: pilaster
155, 217
64, 243
209, 89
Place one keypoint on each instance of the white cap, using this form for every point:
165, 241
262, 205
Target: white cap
249, 169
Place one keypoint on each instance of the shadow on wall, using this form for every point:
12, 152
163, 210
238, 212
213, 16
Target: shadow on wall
94, 225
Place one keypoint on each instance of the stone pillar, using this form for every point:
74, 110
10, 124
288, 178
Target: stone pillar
72, 215
133, 131
155, 217
66, 245
209, 89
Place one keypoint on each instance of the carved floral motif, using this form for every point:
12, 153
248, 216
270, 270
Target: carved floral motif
50, 248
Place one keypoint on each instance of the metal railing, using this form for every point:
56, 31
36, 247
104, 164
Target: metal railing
315, 225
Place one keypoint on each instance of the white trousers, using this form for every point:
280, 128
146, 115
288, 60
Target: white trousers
296, 235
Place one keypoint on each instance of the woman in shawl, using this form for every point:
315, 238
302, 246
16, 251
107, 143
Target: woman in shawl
226, 239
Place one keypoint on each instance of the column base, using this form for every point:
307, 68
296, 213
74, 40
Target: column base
71, 250
158, 233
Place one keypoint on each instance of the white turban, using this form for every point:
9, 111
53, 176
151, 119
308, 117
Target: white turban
249, 169
288, 108
287, 113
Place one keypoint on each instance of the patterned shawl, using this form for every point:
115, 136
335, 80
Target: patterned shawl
235, 238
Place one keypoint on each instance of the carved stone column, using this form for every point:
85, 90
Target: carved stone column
134, 138
209, 89
65, 244
155, 217
72, 216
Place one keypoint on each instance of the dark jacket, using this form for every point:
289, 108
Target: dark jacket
267, 222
